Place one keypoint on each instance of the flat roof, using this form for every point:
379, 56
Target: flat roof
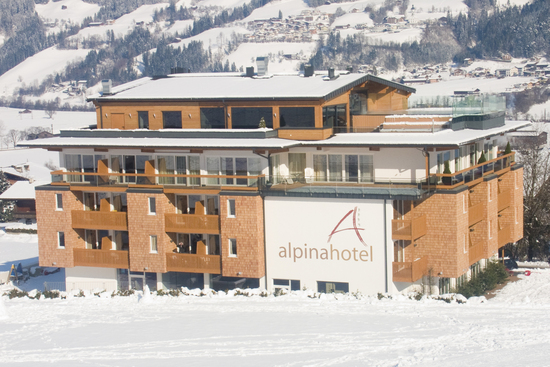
236, 86
260, 139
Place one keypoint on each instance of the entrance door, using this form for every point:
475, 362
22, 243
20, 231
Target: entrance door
137, 280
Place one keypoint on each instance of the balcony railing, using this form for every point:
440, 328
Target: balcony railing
101, 258
472, 174
505, 235
475, 214
409, 271
191, 263
504, 199
192, 223
117, 221
475, 252
409, 230
234, 182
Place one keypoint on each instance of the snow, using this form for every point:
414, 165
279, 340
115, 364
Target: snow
246, 54
37, 67
22, 190
215, 38
17, 248
511, 329
352, 19
400, 36
448, 88
76, 10
271, 10
302, 328
62, 120
124, 24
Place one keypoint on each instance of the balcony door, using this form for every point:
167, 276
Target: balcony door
297, 165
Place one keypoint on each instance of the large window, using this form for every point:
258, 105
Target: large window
298, 117
171, 119
213, 118
334, 116
249, 118
180, 165
83, 163
297, 165
228, 166
336, 167
132, 164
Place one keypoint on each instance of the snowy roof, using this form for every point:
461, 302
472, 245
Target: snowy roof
22, 190
236, 139
231, 86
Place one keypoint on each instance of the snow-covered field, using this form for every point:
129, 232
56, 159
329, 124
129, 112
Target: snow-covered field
62, 120
300, 329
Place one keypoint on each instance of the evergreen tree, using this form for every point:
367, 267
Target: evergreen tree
6, 207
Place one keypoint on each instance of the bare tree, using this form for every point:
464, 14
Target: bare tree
536, 202
13, 137
51, 110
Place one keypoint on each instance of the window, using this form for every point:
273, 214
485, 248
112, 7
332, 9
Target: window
249, 118
465, 243
297, 165
231, 167
231, 208
154, 245
233, 247
61, 239
152, 206
298, 117
355, 167
334, 116
83, 163
171, 119
464, 204
491, 228
98, 239
332, 287
293, 285
358, 104
59, 201
213, 118
143, 119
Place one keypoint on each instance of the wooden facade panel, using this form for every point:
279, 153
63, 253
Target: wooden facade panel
305, 134
366, 123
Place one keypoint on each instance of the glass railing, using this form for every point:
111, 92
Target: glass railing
451, 180
478, 104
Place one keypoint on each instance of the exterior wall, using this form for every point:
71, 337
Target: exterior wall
517, 234
329, 240
141, 225
50, 221
247, 227
81, 277
485, 193
190, 115
446, 239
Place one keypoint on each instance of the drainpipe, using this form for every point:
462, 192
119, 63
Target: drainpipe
385, 248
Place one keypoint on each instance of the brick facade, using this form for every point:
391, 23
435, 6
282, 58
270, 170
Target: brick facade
247, 227
51, 221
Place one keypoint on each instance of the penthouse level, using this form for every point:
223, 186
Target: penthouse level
371, 211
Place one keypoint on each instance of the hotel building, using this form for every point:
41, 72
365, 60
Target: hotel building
318, 180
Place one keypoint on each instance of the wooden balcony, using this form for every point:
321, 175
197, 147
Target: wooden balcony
409, 230
193, 263
475, 252
409, 272
117, 221
192, 223
504, 199
475, 214
101, 258
505, 235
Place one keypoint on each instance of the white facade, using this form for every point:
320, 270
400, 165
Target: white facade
316, 240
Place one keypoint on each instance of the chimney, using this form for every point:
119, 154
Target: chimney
331, 73
250, 71
308, 70
107, 85
262, 62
